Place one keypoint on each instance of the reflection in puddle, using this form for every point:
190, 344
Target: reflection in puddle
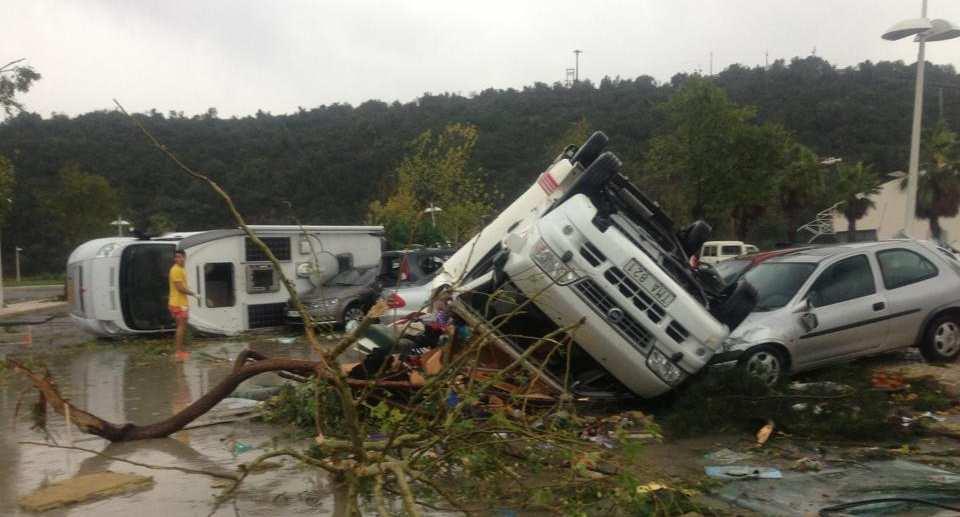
123, 384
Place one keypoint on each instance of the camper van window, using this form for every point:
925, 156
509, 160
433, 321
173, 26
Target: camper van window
344, 262
280, 246
218, 284
354, 277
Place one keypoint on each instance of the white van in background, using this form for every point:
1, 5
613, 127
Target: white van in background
718, 251
118, 285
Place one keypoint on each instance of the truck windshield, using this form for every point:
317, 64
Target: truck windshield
777, 282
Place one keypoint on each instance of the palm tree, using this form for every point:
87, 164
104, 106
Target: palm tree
938, 193
856, 184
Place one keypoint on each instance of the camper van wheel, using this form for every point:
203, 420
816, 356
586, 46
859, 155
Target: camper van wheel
354, 312
590, 149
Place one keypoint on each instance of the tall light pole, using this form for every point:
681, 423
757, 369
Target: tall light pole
432, 210
924, 30
120, 223
17, 250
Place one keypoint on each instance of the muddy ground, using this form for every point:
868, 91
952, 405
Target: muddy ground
137, 380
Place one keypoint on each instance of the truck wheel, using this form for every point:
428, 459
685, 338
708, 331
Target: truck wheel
737, 306
590, 149
764, 363
599, 172
941, 343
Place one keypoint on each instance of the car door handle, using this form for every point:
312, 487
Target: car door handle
879, 306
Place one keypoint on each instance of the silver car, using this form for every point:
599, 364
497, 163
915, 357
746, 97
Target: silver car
828, 305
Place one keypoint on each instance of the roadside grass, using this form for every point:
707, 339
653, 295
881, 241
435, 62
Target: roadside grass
34, 280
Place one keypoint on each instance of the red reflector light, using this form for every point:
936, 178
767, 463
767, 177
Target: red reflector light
394, 301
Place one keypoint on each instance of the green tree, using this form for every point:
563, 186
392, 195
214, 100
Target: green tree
435, 175
15, 78
713, 161
938, 193
81, 206
854, 187
802, 185
160, 223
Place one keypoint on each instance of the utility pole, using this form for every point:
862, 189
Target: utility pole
766, 60
711, 64
576, 74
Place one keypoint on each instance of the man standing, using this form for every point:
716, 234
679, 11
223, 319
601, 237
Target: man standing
178, 302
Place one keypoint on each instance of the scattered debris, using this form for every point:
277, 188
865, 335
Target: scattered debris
764, 433
83, 488
808, 464
821, 388
888, 381
726, 456
742, 472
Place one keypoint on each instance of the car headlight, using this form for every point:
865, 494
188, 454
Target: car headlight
551, 264
106, 250
327, 304
304, 269
664, 368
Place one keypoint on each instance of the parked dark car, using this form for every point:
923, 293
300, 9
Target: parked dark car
344, 297
402, 268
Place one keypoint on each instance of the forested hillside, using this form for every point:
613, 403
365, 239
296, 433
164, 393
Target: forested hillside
325, 165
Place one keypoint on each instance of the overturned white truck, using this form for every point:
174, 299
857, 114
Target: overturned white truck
585, 249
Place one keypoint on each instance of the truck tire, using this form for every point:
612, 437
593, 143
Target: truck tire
598, 173
590, 149
694, 235
737, 306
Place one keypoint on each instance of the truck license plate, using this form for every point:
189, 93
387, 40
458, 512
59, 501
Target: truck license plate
649, 283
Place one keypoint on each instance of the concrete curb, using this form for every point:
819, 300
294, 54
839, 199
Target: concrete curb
31, 306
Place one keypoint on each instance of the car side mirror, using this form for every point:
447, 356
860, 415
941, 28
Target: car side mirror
809, 321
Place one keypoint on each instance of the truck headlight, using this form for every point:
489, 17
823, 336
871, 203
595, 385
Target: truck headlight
550, 263
664, 368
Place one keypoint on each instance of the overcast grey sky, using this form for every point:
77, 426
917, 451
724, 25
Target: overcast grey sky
240, 56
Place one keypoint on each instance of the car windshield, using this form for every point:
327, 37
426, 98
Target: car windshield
354, 277
729, 270
777, 282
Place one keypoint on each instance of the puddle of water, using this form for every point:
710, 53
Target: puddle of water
121, 385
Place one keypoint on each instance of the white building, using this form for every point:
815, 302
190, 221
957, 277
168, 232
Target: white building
885, 219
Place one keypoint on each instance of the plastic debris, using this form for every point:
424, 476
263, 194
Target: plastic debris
726, 456
888, 381
240, 448
742, 472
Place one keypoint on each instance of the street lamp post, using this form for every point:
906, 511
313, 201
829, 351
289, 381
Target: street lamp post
432, 210
120, 223
17, 251
924, 30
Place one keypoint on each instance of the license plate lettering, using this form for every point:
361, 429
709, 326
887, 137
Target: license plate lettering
649, 283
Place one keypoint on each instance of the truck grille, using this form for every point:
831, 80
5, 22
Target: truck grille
631, 290
677, 332
628, 327
591, 254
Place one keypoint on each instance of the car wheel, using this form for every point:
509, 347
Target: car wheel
942, 340
354, 313
764, 363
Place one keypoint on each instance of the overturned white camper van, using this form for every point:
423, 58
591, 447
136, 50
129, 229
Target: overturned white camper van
118, 285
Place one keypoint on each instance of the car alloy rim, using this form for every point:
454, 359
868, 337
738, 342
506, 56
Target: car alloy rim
764, 366
353, 314
947, 338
